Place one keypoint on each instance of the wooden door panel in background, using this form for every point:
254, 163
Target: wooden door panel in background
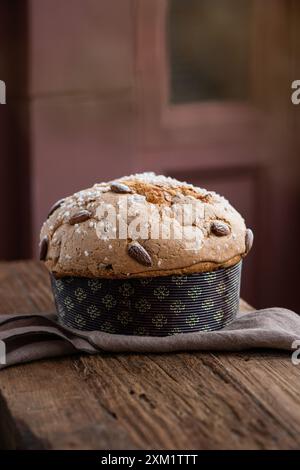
206, 113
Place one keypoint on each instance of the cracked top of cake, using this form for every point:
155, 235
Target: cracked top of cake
142, 225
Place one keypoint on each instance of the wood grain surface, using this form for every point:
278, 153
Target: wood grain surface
128, 401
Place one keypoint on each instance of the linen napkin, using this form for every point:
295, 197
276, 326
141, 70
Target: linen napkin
31, 337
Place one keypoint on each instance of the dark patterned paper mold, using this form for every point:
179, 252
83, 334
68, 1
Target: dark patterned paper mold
158, 306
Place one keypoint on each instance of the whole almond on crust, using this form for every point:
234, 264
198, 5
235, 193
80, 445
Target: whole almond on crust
44, 248
138, 252
79, 217
120, 188
55, 207
220, 229
248, 240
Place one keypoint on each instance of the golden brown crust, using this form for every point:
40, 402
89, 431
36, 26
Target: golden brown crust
195, 268
78, 250
164, 194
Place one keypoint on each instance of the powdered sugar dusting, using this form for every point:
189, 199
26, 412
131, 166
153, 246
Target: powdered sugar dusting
164, 181
87, 197
158, 180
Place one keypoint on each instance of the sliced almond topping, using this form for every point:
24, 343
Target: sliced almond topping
55, 207
249, 240
138, 252
44, 248
120, 188
220, 229
79, 217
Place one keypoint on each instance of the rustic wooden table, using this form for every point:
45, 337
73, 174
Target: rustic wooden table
130, 401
